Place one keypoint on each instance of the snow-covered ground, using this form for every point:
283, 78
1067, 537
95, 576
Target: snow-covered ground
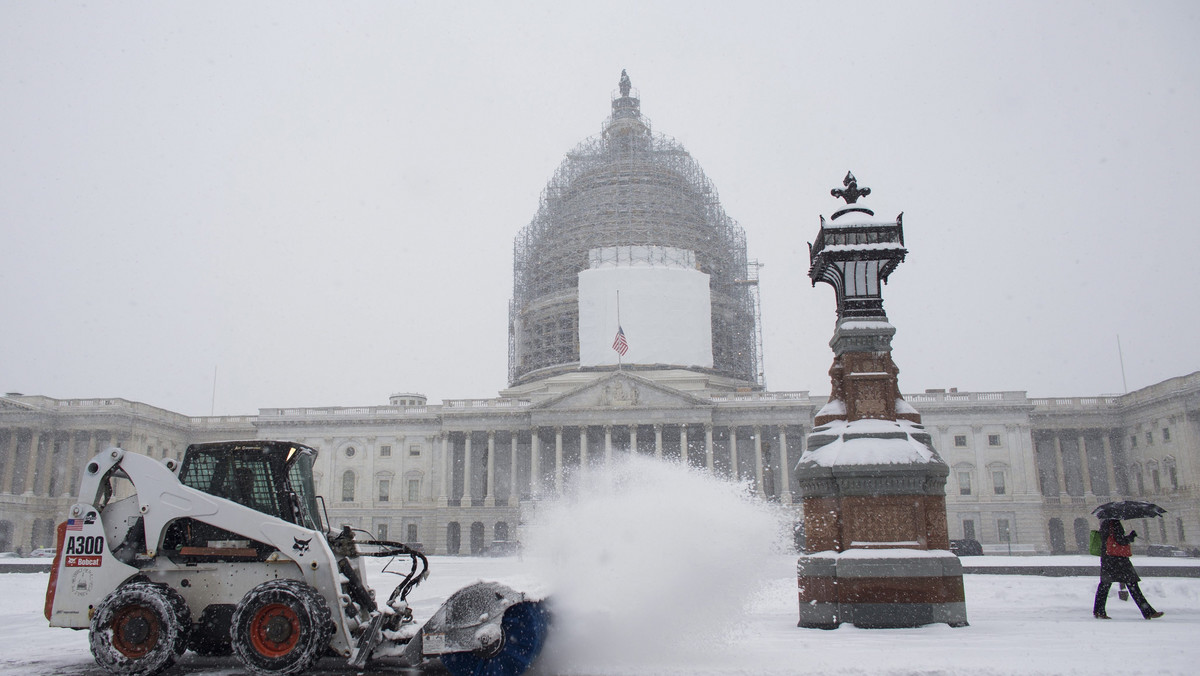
1019, 625
656, 569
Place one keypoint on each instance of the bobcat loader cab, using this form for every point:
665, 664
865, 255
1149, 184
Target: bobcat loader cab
227, 552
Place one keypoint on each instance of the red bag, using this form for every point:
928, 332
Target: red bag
1113, 549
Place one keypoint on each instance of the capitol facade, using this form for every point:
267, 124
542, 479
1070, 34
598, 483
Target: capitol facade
630, 239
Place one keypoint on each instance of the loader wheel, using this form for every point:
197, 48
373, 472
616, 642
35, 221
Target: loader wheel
281, 627
140, 629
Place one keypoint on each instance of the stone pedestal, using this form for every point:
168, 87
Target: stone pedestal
881, 589
875, 527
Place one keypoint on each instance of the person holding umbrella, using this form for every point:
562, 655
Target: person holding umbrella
1115, 552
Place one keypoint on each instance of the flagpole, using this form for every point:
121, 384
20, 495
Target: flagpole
618, 326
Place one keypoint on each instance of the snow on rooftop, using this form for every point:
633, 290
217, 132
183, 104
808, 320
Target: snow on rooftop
833, 407
882, 553
867, 442
873, 246
865, 325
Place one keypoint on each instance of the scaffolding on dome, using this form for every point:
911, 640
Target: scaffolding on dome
626, 187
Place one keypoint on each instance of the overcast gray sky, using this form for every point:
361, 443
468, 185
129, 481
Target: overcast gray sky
319, 200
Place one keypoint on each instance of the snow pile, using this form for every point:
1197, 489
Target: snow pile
833, 407
867, 442
650, 563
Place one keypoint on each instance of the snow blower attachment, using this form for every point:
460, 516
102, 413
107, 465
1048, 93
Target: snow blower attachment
227, 553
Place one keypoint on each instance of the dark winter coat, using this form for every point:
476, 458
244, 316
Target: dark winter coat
1116, 568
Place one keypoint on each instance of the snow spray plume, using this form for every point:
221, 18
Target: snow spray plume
648, 561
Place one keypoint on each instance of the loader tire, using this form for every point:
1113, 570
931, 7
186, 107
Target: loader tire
281, 627
140, 629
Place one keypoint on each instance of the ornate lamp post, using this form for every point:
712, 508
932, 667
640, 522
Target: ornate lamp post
873, 486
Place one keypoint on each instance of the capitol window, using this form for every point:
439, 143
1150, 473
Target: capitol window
1136, 470
960, 440
350, 451
993, 440
385, 451
969, 529
998, 485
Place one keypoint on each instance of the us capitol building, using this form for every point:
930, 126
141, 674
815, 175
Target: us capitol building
629, 236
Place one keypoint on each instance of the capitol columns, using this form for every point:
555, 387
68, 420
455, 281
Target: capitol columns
83, 449
535, 463
44, 480
73, 461
447, 468
785, 470
489, 498
13, 438
514, 496
372, 481
683, 444
583, 448
1058, 460
758, 460
1083, 465
734, 470
468, 490
558, 459
1109, 463
708, 446
658, 429
35, 442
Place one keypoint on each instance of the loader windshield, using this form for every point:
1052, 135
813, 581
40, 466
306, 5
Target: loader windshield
271, 477
300, 475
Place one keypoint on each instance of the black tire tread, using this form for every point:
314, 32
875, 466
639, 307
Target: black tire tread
314, 612
167, 603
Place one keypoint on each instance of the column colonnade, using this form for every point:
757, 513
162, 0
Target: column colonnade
539, 461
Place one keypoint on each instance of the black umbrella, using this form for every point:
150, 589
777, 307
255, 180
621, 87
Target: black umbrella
1128, 509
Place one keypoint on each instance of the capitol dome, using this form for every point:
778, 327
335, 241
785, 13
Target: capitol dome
630, 236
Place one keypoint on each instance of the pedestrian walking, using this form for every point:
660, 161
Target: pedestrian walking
1116, 567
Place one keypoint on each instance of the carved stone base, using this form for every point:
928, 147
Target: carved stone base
881, 589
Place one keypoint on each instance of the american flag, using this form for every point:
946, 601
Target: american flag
619, 343
74, 524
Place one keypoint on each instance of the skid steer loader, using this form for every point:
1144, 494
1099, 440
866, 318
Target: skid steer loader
228, 552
